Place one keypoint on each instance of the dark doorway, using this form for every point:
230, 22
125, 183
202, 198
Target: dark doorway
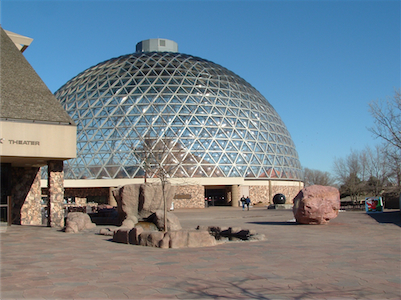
216, 196
5, 189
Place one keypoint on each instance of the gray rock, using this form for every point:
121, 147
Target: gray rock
78, 221
121, 235
134, 235
130, 222
151, 198
151, 239
200, 239
127, 235
127, 198
187, 239
106, 231
147, 226
172, 221
139, 201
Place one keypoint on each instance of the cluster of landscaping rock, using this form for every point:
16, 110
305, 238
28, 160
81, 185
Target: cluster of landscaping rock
160, 239
200, 237
141, 218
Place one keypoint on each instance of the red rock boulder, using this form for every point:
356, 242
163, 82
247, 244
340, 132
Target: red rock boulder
316, 204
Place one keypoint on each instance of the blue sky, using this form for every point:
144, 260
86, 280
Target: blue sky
319, 63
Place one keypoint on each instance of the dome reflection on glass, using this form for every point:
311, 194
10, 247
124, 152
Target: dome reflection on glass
216, 123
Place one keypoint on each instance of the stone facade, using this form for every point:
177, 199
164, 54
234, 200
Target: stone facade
259, 193
189, 196
262, 193
55, 185
26, 196
80, 201
288, 191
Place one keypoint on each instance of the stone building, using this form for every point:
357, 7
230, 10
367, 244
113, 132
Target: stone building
35, 131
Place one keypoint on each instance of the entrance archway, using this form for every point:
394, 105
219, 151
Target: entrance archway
216, 195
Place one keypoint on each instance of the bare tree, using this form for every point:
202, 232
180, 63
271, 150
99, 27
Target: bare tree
393, 155
347, 172
343, 167
160, 158
317, 177
369, 171
340, 170
377, 167
387, 119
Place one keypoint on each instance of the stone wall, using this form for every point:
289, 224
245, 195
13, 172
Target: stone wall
189, 196
288, 191
31, 211
26, 196
260, 193
55, 178
80, 201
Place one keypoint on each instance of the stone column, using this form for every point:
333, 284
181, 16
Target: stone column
55, 184
25, 192
235, 195
31, 210
229, 194
270, 192
112, 201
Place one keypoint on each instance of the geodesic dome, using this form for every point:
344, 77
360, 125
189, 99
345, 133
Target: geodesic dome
216, 123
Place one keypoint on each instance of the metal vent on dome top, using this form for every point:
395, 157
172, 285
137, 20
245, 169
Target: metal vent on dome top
157, 45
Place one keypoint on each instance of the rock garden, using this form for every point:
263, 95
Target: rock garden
140, 218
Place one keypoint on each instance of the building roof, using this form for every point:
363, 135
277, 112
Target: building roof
23, 94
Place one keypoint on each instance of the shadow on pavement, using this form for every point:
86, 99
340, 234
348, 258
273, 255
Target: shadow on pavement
275, 223
388, 217
273, 288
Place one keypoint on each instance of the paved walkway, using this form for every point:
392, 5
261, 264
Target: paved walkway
355, 256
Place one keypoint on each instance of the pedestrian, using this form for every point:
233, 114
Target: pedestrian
248, 201
243, 201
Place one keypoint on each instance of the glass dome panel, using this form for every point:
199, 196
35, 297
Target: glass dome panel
224, 125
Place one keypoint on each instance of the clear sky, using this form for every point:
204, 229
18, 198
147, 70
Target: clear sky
319, 63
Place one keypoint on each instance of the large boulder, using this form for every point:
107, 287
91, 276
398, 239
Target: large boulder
151, 198
127, 198
78, 221
139, 201
316, 204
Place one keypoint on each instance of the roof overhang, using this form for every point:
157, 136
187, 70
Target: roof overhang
22, 42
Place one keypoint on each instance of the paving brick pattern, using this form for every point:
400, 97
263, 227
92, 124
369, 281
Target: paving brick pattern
353, 257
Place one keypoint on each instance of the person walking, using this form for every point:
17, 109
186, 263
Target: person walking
248, 201
243, 201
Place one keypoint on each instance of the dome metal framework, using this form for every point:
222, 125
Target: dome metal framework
216, 123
